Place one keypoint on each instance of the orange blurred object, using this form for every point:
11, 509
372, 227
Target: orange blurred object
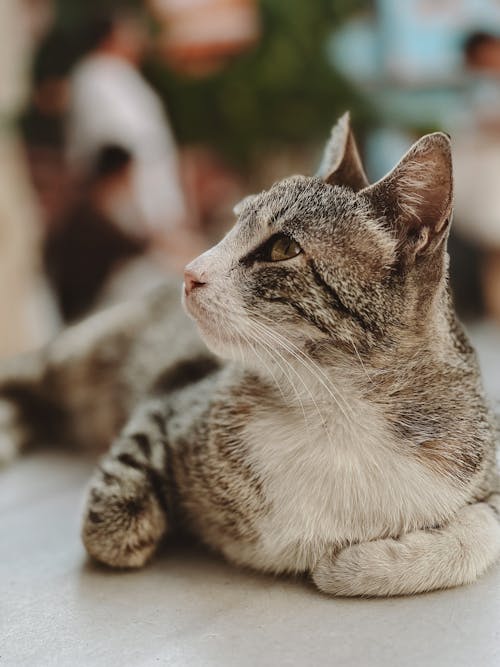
199, 36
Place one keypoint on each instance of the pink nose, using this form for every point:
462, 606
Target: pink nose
192, 280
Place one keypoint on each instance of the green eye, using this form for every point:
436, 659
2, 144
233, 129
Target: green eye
284, 248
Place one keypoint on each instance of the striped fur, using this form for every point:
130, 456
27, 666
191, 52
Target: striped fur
337, 426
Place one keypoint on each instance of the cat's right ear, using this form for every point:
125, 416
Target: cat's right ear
341, 164
416, 197
246, 201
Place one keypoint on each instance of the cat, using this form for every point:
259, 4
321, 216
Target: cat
332, 422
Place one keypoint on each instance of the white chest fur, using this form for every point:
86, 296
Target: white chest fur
345, 481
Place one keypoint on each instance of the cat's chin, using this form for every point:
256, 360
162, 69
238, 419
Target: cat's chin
217, 347
231, 348
225, 346
209, 331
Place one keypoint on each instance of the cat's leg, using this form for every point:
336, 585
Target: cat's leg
17, 378
424, 560
12, 434
127, 510
79, 389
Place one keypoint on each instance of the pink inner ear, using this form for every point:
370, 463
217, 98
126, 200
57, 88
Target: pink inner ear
419, 190
425, 192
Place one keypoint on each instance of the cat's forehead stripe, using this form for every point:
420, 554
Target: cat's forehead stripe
265, 216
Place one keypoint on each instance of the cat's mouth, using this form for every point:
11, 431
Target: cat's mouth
191, 305
198, 311
215, 329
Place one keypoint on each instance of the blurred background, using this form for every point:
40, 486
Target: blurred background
129, 128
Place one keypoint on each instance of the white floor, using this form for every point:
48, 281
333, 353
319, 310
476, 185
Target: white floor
191, 609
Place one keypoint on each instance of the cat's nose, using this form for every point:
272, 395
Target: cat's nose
192, 280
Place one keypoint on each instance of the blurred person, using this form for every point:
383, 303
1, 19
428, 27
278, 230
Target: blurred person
111, 103
97, 237
477, 163
482, 61
44, 125
213, 186
482, 51
27, 316
200, 37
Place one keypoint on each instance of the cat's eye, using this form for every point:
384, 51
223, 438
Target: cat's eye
277, 248
283, 247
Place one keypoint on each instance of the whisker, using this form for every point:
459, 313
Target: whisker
361, 362
272, 352
254, 349
263, 332
314, 369
318, 368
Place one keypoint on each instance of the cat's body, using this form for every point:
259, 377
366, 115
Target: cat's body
348, 438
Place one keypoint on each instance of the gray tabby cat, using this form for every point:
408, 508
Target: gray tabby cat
345, 436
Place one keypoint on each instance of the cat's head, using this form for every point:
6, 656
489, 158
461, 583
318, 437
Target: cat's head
330, 262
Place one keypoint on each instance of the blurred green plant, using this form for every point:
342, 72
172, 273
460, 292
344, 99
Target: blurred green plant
283, 92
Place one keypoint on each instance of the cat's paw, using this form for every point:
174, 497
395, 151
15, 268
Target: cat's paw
342, 572
12, 435
123, 522
454, 554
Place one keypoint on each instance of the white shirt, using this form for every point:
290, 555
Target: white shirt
111, 103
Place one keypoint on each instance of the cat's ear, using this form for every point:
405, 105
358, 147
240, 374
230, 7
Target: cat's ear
243, 203
416, 197
341, 164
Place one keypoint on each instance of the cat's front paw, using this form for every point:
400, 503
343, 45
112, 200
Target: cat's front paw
12, 435
341, 572
124, 521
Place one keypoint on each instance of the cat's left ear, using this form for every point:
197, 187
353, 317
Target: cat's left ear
416, 197
246, 201
341, 164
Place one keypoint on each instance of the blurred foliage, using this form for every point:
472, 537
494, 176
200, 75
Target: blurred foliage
282, 92
73, 13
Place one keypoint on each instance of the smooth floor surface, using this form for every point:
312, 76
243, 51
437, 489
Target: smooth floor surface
189, 608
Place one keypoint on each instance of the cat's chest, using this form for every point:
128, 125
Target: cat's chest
342, 482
